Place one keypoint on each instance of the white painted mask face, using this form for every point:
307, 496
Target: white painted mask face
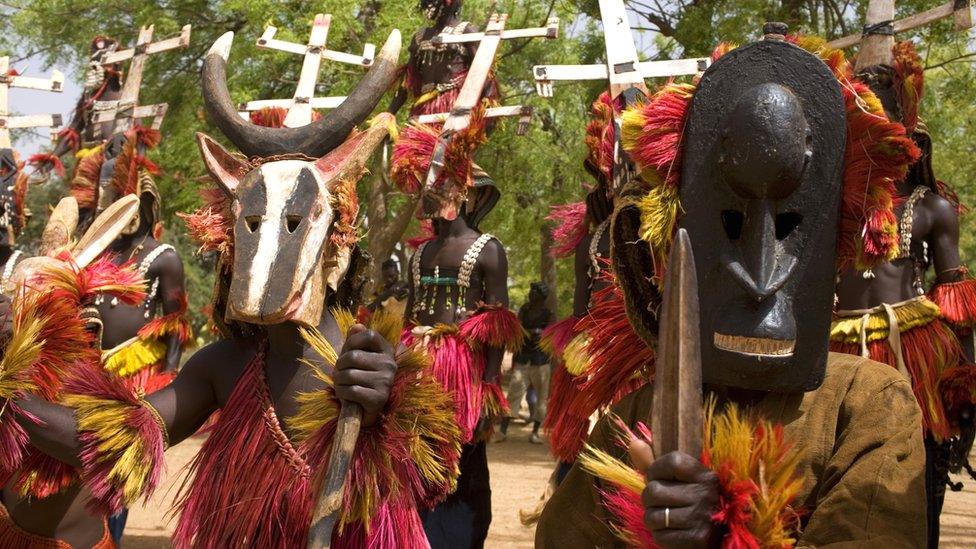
283, 220
284, 259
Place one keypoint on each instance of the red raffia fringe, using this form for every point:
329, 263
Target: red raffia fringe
557, 336
566, 430
601, 139
619, 360
459, 370
41, 159
426, 234
274, 117
122, 444
71, 136
957, 300
212, 225
570, 228
909, 76
494, 326
174, 323
21, 186
409, 459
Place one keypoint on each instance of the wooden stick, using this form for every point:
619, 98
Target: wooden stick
304, 102
962, 12
55, 83
181, 41
326, 514
551, 30
621, 50
676, 409
545, 75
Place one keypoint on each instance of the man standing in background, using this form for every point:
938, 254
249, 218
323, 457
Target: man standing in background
531, 364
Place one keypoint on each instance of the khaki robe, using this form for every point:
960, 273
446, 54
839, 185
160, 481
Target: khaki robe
862, 463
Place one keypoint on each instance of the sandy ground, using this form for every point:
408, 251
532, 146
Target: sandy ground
519, 472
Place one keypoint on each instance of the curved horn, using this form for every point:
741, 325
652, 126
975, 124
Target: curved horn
315, 139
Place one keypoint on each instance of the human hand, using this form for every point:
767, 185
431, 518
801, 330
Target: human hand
679, 499
364, 372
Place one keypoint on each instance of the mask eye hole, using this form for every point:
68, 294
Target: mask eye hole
732, 221
786, 223
292, 222
253, 222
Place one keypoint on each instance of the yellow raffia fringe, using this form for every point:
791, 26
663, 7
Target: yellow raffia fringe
749, 449
138, 356
82, 153
911, 314
575, 357
659, 209
424, 410
106, 419
610, 469
23, 351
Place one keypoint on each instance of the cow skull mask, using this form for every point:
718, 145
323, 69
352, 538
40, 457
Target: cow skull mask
287, 209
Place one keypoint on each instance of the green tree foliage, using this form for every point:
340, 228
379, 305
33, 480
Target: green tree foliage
535, 170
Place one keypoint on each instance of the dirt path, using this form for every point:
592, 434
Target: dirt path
519, 472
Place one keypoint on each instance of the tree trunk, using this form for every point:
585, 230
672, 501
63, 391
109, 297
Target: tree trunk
547, 268
385, 228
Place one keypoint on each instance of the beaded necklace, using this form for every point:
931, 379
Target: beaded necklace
428, 288
8, 267
596, 266
905, 225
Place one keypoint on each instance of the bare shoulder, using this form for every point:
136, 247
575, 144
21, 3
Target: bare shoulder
167, 261
221, 363
938, 206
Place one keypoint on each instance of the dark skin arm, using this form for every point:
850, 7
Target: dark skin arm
364, 374
943, 241
494, 268
169, 269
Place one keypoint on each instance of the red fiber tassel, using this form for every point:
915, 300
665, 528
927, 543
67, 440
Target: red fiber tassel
627, 512
97, 465
426, 234
570, 228
13, 439
566, 428
557, 336
40, 159
494, 326
957, 300
71, 136
620, 361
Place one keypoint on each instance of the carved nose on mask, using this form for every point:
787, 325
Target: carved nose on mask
760, 265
